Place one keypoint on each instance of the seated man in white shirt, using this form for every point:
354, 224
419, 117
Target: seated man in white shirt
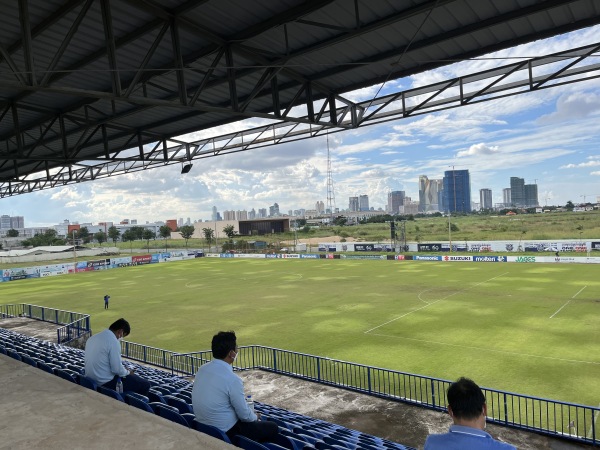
103, 360
218, 395
467, 407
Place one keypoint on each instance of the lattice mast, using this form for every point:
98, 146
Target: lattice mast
330, 191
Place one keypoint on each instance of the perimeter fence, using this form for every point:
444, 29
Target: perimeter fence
75, 325
550, 417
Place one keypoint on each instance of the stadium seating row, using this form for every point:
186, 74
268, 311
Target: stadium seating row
170, 397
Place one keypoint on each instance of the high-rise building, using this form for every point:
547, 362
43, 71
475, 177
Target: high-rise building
517, 192
395, 201
506, 197
228, 215
215, 214
17, 222
241, 215
320, 207
252, 214
531, 195
353, 204
262, 213
428, 194
457, 191
274, 210
5, 222
485, 199
363, 202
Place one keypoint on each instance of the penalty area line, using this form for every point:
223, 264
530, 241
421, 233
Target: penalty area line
559, 309
433, 303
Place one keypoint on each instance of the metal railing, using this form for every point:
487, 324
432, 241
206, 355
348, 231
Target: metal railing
76, 325
559, 419
550, 417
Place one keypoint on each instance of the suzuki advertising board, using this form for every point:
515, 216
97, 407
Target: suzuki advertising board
457, 258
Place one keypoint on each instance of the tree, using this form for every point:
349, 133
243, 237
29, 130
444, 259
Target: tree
165, 233
149, 234
340, 221
12, 233
48, 237
229, 231
187, 231
208, 235
100, 236
84, 235
138, 232
114, 233
128, 235
570, 205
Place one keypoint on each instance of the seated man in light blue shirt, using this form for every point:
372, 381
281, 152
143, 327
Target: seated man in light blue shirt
467, 407
218, 395
103, 360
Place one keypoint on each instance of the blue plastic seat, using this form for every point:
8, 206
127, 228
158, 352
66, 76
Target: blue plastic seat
29, 360
46, 367
272, 446
291, 443
211, 431
156, 397
181, 405
88, 383
248, 444
13, 354
111, 393
170, 413
66, 375
140, 404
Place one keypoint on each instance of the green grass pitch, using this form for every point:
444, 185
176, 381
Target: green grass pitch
527, 328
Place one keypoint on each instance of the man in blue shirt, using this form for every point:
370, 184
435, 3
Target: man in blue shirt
106, 297
103, 360
467, 407
218, 395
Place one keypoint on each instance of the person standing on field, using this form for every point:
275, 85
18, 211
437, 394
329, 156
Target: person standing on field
106, 297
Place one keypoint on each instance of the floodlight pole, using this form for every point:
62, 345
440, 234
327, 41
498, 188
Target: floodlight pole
74, 246
449, 231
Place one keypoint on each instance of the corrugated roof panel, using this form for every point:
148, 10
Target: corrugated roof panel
324, 45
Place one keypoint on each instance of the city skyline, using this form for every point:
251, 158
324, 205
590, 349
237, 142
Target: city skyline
548, 135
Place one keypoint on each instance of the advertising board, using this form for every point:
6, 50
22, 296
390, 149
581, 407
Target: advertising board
431, 247
457, 258
141, 260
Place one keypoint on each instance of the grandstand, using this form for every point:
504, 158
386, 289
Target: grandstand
170, 399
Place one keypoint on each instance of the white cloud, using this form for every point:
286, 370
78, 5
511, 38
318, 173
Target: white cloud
592, 163
478, 149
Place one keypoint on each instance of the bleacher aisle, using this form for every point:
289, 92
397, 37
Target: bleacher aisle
43, 411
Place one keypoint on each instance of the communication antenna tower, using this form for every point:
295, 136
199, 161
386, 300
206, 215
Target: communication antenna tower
330, 191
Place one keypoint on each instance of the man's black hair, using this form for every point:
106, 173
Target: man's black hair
121, 324
222, 343
466, 399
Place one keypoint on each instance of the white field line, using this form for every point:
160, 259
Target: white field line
594, 420
433, 303
423, 292
567, 302
488, 349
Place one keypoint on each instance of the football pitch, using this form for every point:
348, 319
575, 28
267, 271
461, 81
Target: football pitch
533, 329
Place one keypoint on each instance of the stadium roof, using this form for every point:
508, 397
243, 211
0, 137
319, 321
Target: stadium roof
95, 88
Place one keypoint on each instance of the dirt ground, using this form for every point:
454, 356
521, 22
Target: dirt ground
391, 420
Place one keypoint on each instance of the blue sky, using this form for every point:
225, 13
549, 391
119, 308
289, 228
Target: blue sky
550, 137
